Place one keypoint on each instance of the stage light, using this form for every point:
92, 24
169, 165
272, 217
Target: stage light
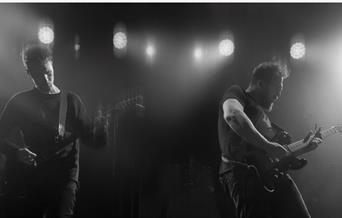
46, 35
226, 47
150, 50
297, 50
77, 46
120, 40
198, 53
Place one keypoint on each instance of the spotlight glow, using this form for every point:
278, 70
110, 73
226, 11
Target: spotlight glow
77, 47
297, 50
120, 40
150, 50
198, 53
226, 47
46, 35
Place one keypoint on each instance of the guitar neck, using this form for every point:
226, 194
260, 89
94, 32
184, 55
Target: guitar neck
298, 145
328, 132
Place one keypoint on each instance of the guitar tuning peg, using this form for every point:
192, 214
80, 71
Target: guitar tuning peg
318, 132
307, 137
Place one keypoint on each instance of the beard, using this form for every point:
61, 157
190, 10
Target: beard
268, 105
45, 86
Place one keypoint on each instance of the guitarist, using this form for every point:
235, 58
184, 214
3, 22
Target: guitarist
243, 125
50, 189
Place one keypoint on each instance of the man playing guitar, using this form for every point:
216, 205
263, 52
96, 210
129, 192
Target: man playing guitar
244, 127
48, 148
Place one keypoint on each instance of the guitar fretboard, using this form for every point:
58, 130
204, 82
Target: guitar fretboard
296, 146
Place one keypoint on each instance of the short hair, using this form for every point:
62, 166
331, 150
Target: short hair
266, 71
36, 53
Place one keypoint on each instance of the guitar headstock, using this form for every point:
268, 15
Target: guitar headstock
338, 128
133, 100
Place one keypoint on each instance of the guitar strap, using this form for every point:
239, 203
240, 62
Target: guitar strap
63, 106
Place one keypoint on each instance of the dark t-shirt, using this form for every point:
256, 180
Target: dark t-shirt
36, 115
232, 146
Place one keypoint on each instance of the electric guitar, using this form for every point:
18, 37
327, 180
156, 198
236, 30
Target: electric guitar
61, 146
270, 169
133, 100
19, 174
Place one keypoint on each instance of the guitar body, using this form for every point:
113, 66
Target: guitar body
268, 168
19, 176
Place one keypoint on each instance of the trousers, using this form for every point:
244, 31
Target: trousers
243, 184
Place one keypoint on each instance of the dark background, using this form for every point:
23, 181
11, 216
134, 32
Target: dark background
181, 98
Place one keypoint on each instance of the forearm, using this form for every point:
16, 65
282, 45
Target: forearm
7, 147
243, 126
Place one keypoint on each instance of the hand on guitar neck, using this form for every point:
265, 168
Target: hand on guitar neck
313, 139
26, 156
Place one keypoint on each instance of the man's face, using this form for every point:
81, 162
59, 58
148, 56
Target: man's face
271, 91
42, 74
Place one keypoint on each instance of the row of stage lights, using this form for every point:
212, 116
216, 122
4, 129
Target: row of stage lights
120, 40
